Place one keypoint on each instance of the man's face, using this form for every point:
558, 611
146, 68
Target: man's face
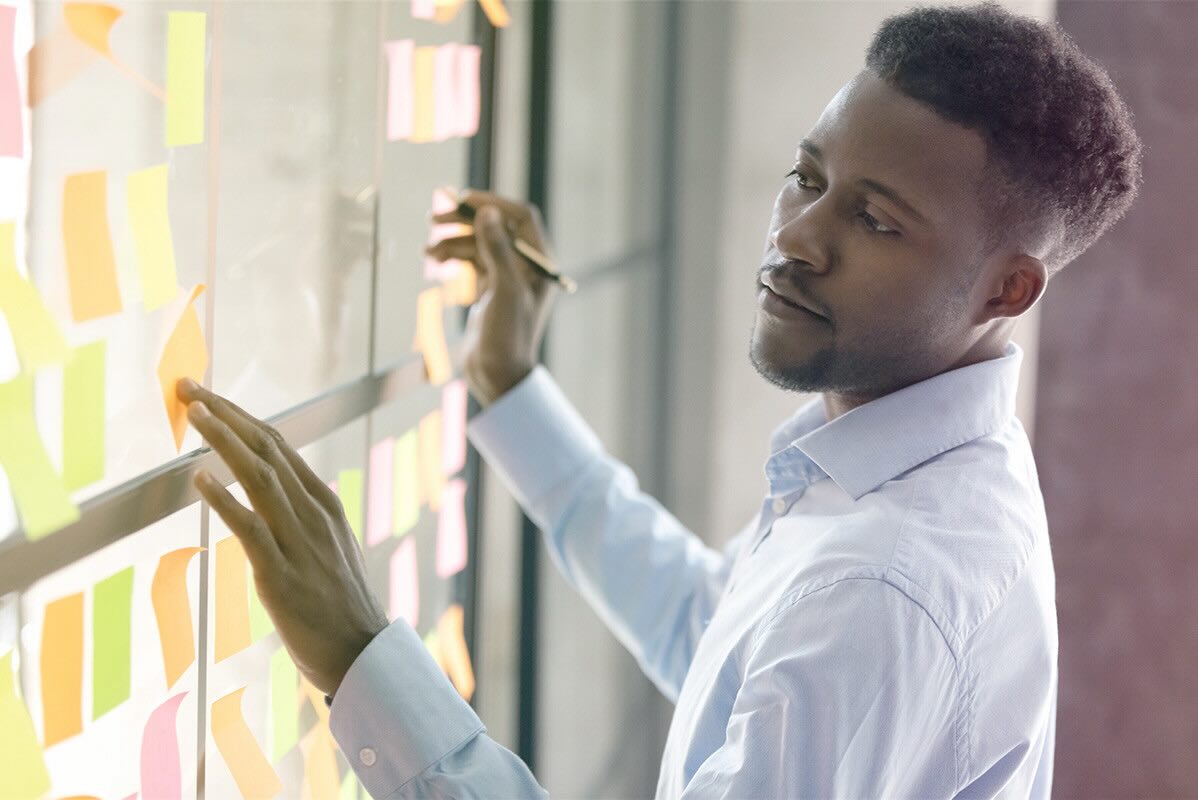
894, 282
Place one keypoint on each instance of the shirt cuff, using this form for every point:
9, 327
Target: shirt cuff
395, 713
533, 437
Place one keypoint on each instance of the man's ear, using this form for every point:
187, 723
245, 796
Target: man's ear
1023, 283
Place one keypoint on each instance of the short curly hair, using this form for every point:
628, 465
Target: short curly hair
1063, 160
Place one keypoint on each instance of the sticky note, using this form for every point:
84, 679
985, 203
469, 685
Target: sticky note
172, 610
378, 510
320, 764
349, 786
91, 23
445, 85
451, 529
42, 501
284, 705
405, 583
452, 641
430, 333
405, 499
316, 698
496, 13
149, 221
185, 355
250, 768
349, 489
61, 661
112, 622
12, 125
400, 101
432, 479
232, 599
423, 101
22, 766
185, 45
423, 9
433, 646
56, 60
454, 403
466, 90
260, 622
462, 288
83, 417
36, 336
446, 10
161, 775
91, 266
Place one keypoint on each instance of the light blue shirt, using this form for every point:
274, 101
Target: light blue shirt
884, 626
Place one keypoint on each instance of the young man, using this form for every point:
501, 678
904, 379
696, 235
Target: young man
885, 626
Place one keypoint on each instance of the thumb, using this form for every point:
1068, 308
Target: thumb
494, 244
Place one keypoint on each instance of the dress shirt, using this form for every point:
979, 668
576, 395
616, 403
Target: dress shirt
884, 625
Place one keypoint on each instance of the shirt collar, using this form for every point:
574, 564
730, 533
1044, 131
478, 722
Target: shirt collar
875, 442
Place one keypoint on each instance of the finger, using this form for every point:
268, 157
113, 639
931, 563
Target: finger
269, 445
495, 250
259, 478
464, 247
516, 211
260, 545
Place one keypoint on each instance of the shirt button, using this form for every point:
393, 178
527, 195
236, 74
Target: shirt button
366, 756
780, 505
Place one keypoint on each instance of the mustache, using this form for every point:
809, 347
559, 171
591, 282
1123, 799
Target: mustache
784, 271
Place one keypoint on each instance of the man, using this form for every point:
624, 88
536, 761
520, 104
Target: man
885, 625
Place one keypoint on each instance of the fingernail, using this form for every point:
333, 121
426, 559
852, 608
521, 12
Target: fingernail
198, 410
188, 385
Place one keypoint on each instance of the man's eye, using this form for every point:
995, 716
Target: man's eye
802, 177
870, 221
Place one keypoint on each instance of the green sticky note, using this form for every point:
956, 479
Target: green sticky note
349, 489
22, 767
83, 416
41, 499
185, 46
349, 786
284, 703
260, 621
35, 334
405, 502
112, 614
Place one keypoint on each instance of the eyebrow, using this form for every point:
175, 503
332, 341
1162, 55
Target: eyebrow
877, 187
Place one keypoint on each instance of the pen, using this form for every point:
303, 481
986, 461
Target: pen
538, 259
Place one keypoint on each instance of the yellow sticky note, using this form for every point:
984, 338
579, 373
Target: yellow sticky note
172, 610
349, 489
423, 72
456, 658
35, 334
462, 288
91, 267
185, 44
284, 703
83, 418
22, 767
405, 502
41, 499
496, 13
232, 599
430, 335
150, 222
446, 10
185, 355
432, 478
251, 770
62, 669
91, 23
349, 786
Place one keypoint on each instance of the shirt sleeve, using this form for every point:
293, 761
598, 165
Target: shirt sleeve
849, 691
408, 734
653, 582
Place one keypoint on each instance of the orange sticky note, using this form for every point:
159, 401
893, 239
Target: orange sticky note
423, 71
56, 60
92, 23
251, 769
432, 479
185, 355
462, 288
232, 599
320, 764
316, 698
62, 669
91, 267
430, 334
22, 767
495, 12
452, 642
446, 10
172, 610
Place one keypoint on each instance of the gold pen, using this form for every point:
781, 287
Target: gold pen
538, 259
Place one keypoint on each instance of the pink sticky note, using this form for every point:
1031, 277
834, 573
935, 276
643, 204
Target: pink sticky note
378, 512
453, 426
442, 271
424, 9
161, 777
12, 129
445, 90
451, 529
466, 94
400, 103
444, 199
405, 587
